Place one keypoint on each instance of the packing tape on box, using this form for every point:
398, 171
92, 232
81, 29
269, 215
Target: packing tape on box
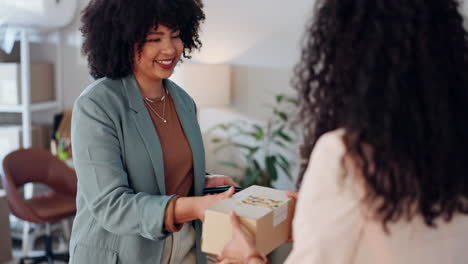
279, 208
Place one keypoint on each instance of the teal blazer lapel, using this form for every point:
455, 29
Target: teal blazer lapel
146, 130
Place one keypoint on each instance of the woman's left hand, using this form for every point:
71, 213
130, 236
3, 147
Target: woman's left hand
293, 195
221, 180
242, 244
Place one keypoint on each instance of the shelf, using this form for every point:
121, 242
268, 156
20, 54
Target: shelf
50, 105
44, 106
35, 35
10, 108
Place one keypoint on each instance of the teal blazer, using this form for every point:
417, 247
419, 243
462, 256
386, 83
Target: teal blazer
121, 197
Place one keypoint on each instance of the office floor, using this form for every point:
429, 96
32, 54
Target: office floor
17, 255
38, 249
278, 256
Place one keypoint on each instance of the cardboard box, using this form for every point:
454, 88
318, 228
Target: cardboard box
11, 137
42, 83
5, 245
267, 213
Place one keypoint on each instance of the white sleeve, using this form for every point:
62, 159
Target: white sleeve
328, 219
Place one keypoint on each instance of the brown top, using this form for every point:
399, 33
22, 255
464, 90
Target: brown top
177, 154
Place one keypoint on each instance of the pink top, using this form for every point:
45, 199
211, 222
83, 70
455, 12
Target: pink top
331, 225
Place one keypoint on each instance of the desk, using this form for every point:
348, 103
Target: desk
5, 237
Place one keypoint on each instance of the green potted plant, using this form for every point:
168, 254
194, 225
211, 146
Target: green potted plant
262, 146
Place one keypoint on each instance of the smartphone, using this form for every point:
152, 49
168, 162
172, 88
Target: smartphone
220, 189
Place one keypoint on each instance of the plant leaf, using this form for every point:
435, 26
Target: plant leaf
279, 98
277, 131
292, 100
256, 165
251, 176
222, 146
252, 152
271, 169
286, 171
216, 140
244, 146
279, 143
283, 160
281, 115
284, 165
221, 126
258, 128
257, 135
285, 136
230, 164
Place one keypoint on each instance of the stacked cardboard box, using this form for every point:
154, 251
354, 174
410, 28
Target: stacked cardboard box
11, 137
42, 83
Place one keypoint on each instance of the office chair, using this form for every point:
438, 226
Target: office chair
40, 166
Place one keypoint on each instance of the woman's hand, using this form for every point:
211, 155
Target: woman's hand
191, 208
219, 180
241, 246
207, 200
293, 195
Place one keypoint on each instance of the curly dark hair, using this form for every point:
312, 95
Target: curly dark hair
112, 27
394, 75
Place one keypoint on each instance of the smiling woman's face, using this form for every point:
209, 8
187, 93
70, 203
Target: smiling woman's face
160, 54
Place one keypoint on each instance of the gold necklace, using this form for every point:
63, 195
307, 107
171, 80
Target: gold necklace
163, 99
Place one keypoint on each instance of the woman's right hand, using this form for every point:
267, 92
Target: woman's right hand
210, 199
191, 208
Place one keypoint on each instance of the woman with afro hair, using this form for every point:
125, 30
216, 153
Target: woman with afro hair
383, 86
137, 146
